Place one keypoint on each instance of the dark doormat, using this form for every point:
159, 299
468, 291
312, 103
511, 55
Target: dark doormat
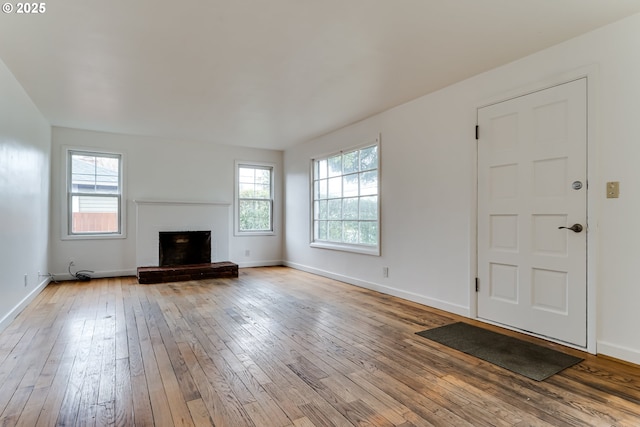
521, 357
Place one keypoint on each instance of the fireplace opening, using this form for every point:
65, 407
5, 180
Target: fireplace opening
184, 247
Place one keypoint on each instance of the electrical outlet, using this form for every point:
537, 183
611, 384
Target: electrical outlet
247, 252
26, 280
385, 271
613, 190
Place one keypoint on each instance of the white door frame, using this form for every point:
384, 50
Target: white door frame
593, 192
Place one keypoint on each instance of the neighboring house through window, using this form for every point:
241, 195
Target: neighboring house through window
346, 200
94, 194
254, 198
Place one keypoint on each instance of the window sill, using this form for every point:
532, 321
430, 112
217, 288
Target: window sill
93, 236
253, 233
358, 249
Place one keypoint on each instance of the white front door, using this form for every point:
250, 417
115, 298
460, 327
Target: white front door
532, 172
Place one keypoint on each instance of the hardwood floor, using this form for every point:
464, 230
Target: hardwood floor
274, 347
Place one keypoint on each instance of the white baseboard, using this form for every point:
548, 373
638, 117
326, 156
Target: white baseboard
619, 352
13, 313
259, 264
411, 296
98, 274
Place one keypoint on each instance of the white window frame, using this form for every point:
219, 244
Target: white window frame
342, 246
256, 165
67, 207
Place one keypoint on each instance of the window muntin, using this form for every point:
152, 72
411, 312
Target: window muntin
94, 194
254, 198
346, 200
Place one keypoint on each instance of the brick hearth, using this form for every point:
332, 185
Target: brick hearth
179, 273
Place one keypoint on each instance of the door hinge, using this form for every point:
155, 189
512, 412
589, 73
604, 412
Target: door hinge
477, 132
477, 285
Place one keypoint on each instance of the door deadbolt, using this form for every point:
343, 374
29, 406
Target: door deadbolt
576, 185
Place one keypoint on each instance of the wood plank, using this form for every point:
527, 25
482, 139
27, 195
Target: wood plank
51, 408
28, 416
106, 392
123, 401
223, 408
199, 413
70, 405
265, 411
303, 422
16, 405
169, 348
155, 389
142, 412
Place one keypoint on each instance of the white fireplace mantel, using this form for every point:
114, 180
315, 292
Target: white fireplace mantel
154, 216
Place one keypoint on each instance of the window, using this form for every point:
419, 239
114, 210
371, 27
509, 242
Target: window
346, 200
254, 198
94, 194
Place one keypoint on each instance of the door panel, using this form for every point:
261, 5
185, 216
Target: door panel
532, 275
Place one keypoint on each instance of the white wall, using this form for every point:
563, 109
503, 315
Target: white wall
158, 169
25, 142
428, 181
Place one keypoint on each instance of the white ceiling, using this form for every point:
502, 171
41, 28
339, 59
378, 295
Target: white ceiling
268, 73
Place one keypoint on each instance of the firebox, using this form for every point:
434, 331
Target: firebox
184, 247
